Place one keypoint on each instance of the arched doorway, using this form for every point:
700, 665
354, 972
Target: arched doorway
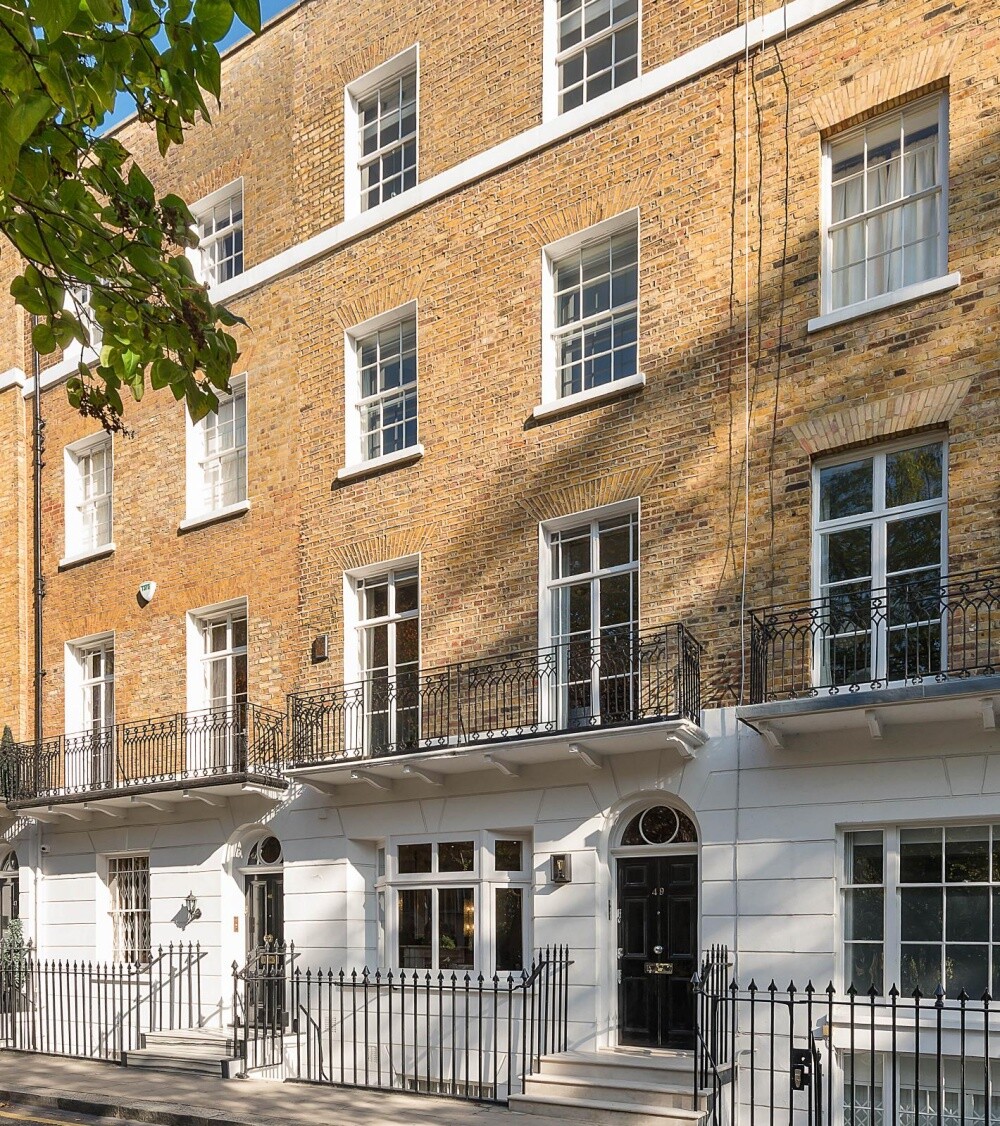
657, 881
264, 889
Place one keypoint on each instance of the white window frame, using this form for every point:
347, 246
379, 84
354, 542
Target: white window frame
552, 705
197, 659
553, 60
112, 861
356, 463
89, 749
553, 402
891, 888
74, 456
355, 92
78, 302
941, 279
483, 877
355, 673
878, 519
201, 210
199, 511
216, 739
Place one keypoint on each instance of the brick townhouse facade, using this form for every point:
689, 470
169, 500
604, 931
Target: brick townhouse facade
598, 547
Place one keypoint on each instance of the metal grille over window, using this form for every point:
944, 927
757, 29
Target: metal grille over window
596, 333
388, 142
387, 362
220, 239
223, 460
128, 882
886, 205
598, 48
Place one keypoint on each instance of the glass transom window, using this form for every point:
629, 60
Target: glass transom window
598, 48
596, 313
387, 119
880, 547
887, 227
387, 369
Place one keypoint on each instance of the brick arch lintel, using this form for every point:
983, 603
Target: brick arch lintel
383, 548
882, 418
885, 86
610, 488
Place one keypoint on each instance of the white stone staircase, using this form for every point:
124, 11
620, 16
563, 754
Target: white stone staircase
208, 1051
615, 1086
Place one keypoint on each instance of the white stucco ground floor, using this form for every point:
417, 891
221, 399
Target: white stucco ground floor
854, 852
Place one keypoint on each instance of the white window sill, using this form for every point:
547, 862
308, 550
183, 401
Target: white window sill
227, 513
885, 301
85, 556
386, 461
591, 395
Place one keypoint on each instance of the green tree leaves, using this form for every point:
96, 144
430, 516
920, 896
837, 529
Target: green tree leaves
81, 212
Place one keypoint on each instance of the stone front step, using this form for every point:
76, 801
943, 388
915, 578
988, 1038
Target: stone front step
206, 1051
615, 1087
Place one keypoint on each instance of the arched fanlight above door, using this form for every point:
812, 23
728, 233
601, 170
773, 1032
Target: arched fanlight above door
265, 853
659, 825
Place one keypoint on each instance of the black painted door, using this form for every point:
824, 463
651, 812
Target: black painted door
657, 949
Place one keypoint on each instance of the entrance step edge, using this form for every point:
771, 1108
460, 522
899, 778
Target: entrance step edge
618, 1092
604, 1113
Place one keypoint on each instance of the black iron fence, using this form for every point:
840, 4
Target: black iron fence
919, 628
617, 679
242, 740
815, 1057
453, 1033
97, 1010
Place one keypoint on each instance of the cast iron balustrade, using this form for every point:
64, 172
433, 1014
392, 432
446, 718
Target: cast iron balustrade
916, 630
242, 742
457, 1033
616, 680
855, 1058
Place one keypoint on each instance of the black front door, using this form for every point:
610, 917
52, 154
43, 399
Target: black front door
657, 949
265, 1004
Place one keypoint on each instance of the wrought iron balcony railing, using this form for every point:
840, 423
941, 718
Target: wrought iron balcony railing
915, 630
616, 680
242, 741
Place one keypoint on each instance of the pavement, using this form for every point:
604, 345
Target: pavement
37, 1085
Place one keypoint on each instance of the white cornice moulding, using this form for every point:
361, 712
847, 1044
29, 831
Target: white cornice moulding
723, 49
717, 52
12, 377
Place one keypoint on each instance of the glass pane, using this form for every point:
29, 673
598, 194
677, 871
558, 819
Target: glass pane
968, 914
865, 914
615, 543
574, 555
966, 967
920, 968
456, 928
864, 967
913, 543
415, 858
456, 856
847, 555
415, 927
239, 632
507, 856
967, 854
510, 927
864, 858
920, 856
921, 914
914, 475
845, 490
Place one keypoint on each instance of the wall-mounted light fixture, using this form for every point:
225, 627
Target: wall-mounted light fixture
192, 908
562, 869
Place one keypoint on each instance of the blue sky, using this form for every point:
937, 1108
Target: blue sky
268, 10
